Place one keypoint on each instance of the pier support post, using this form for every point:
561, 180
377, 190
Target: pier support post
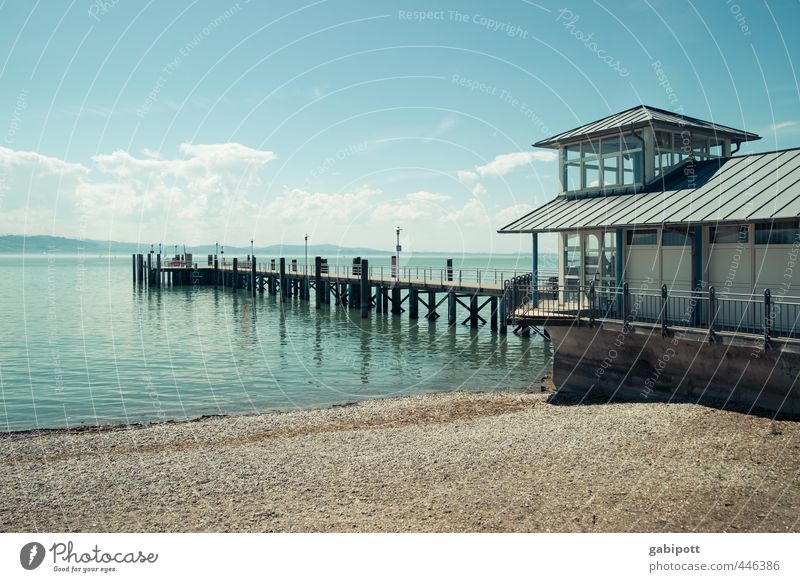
379, 299
503, 321
451, 308
235, 278
149, 269
396, 308
366, 290
319, 288
216, 271
385, 299
133, 266
284, 291
413, 304
493, 313
473, 310
432, 315
253, 275
140, 268
158, 270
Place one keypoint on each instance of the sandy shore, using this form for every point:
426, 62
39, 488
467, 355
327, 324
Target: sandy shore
440, 462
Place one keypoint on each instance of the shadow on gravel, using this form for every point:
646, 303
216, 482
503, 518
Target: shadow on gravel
567, 398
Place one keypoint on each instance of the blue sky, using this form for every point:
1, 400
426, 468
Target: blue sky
221, 121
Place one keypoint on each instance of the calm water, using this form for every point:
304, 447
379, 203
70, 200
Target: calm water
79, 345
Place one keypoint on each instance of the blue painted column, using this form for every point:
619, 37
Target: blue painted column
620, 269
535, 270
697, 273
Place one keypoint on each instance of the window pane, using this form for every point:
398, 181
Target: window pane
572, 263
572, 177
610, 145
632, 167
663, 141
728, 234
715, 149
591, 178
610, 166
643, 237
573, 241
609, 240
675, 237
590, 148
781, 232
572, 152
632, 142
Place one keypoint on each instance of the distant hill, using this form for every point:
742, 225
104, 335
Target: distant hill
37, 244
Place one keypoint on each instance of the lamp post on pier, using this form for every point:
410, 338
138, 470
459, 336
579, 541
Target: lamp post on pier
398, 248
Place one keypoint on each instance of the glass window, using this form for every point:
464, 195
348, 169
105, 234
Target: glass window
643, 237
675, 237
611, 171
715, 148
591, 149
591, 173
780, 232
572, 152
610, 145
728, 234
572, 176
572, 256
609, 240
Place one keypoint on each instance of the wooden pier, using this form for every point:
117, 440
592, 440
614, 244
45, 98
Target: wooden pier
423, 291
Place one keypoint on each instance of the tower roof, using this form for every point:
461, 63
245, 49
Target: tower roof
641, 116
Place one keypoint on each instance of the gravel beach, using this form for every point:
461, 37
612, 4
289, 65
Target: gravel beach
496, 461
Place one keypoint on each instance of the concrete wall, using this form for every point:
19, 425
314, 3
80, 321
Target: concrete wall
646, 367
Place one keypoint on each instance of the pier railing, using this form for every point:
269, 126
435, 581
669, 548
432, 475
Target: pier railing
770, 315
424, 274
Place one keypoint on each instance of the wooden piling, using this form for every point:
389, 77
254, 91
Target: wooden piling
379, 299
431, 315
451, 308
413, 304
149, 269
158, 271
235, 277
253, 276
493, 315
473, 310
366, 291
282, 278
502, 314
397, 309
133, 266
318, 285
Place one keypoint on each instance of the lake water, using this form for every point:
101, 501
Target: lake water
79, 344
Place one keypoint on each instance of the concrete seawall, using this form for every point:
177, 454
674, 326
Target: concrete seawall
641, 365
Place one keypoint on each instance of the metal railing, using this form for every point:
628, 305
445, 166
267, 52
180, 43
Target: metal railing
767, 314
423, 274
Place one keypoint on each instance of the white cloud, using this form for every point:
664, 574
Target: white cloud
296, 204
420, 205
506, 163
423, 196
14, 159
466, 176
783, 125
478, 189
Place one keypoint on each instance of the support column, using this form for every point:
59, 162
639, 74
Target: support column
140, 268
451, 308
619, 277
378, 299
535, 270
149, 269
366, 290
697, 273
396, 308
413, 304
473, 311
133, 266
431, 315
216, 271
158, 270
318, 287
502, 314
493, 313
253, 275
282, 278
235, 277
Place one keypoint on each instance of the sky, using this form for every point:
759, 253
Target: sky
200, 122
